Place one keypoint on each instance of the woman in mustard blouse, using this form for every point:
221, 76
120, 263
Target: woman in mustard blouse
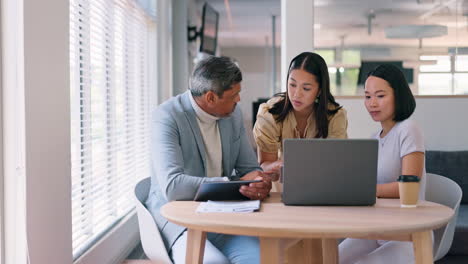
306, 110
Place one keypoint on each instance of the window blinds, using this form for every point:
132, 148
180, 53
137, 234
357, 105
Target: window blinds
110, 113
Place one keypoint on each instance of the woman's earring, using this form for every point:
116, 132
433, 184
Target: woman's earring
316, 100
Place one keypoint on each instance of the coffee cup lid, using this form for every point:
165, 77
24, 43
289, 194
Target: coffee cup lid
408, 178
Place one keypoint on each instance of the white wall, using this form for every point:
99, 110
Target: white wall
180, 55
443, 120
47, 131
164, 50
255, 64
297, 31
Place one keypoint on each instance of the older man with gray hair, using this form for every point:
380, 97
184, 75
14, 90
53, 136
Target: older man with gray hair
199, 136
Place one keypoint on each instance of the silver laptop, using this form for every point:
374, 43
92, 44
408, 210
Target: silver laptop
330, 171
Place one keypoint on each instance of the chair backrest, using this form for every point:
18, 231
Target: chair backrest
151, 239
442, 190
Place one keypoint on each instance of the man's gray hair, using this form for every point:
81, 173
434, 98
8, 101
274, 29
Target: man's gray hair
216, 74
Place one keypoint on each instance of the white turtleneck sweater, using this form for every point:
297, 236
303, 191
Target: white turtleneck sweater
210, 133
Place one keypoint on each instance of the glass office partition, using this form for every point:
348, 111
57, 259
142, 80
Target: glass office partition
426, 39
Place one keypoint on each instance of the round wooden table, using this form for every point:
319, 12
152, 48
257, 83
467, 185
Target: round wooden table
317, 226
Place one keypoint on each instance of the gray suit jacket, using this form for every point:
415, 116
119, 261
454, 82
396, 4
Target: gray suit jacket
178, 157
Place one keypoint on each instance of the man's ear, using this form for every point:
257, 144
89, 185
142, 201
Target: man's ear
210, 97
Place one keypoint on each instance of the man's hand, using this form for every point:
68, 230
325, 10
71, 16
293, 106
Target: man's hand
257, 190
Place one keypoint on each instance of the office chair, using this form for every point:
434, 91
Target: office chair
442, 190
151, 239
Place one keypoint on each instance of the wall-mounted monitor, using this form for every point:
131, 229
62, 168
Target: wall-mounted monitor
367, 66
209, 30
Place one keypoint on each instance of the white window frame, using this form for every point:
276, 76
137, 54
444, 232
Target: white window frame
2, 227
14, 220
452, 71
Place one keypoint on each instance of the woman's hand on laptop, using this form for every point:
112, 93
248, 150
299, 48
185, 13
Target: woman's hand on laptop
273, 175
257, 190
272, 168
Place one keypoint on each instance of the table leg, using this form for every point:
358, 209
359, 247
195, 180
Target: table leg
312, 251
195, 246
422, 246
270, 251
330, 251
304, 251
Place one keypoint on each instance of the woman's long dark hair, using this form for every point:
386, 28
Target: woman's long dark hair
315, 65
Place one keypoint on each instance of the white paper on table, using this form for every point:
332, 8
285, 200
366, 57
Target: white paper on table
229, 207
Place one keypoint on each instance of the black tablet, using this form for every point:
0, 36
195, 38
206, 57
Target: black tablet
221, 191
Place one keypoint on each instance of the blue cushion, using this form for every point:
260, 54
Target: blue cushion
450, 259
460, 238
451, 164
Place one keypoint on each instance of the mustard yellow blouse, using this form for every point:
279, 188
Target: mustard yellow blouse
269, 134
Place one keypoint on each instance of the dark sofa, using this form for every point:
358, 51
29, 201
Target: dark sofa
454, 165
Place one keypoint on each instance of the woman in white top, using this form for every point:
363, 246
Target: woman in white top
389, 100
